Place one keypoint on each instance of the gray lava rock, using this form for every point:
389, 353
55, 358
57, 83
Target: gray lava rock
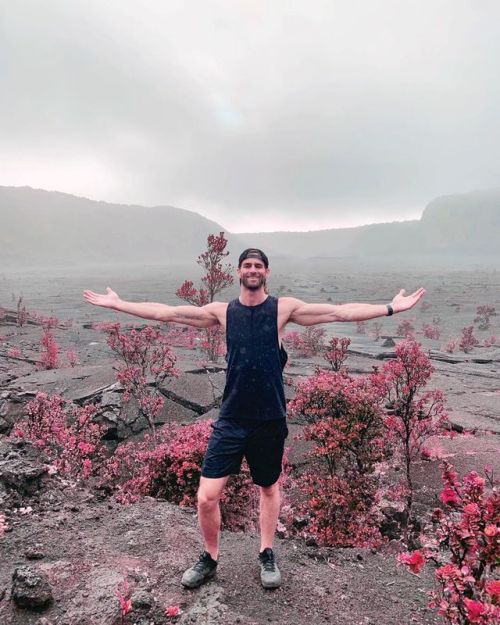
34, 552
111, 398
393, 522
20, 470
197, 391
389, 342
141, 600
30, 588
11, 411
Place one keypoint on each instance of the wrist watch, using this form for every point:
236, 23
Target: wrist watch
390, 310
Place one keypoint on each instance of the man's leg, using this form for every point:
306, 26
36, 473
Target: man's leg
209, 494
270, 500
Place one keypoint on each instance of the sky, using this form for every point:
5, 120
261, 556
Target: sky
259, 114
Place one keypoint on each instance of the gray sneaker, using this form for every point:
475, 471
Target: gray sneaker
270, 575
202, 571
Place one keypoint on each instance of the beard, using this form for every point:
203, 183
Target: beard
253, 285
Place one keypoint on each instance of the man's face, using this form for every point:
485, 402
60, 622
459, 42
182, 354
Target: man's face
253, 273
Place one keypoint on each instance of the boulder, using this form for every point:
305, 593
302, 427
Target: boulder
30, 588
20, 468
199, 392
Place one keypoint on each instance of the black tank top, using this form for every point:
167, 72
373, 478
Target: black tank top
255, 362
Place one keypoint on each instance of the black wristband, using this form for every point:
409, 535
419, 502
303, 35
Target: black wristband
390, 310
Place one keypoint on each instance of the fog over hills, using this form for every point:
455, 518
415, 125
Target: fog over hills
48, 228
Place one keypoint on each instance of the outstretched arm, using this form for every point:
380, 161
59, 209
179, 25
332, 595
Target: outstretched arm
200, 317
312, 314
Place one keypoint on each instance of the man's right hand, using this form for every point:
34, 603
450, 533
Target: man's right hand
109, 300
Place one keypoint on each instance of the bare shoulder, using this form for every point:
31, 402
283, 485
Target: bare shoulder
216, 309
289, 304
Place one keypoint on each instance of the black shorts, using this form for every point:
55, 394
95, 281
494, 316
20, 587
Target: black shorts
260, 442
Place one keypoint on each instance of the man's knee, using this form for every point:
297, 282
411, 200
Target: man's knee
209, 492
270, 491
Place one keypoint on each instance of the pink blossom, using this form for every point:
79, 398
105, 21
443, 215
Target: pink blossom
491, 530
475, 610
415, 561
493, 589
172, 611
449, 496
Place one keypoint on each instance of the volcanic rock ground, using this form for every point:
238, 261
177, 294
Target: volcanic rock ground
87, 545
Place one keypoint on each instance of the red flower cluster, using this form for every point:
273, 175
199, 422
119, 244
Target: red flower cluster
483, 314
414, 414
169, 467
347, 432
406, 329
216, 278
337, 352
431, 331
49, 350
468, 528
468, 340
72, 442
147, 360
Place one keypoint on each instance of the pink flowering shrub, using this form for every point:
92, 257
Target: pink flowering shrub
414, 414
451, 346
491, 340
213, 343
336, 353
14, 352
46, 322
169, 467
483, 316
22, 313
216, 278
71, 442
360, 327
431, 331
124, 599
376, 330
182, 336
347, 432
72, 357
49, 349
406, 329
308, 343
145, 356
468, 340
467, 531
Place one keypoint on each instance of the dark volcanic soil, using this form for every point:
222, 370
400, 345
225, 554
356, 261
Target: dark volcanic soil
87, 545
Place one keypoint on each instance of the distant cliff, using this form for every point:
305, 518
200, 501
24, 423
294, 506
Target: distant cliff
50, 228
451, 226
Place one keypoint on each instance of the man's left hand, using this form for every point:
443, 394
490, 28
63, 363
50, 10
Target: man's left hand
403, 302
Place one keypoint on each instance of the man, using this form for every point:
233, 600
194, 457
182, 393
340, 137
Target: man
252, 421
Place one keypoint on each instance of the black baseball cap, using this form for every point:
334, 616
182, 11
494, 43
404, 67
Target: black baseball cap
253, 252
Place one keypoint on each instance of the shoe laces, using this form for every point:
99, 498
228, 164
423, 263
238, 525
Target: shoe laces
267, 559
202, 562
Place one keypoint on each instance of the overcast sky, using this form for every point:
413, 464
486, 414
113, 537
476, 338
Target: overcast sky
259, 114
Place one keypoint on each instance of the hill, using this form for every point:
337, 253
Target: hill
41, 228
